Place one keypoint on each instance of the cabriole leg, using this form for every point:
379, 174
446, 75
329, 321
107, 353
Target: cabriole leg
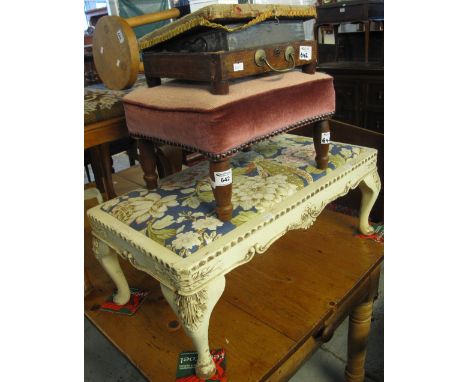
194, 313
110, 262
370, 188
322, 143
221, 183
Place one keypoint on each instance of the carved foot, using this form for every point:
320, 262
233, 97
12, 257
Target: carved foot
370, 188
194, 313
110, 262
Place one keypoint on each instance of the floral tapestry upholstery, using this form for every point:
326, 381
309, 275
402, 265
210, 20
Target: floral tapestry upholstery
180, 214
101, 103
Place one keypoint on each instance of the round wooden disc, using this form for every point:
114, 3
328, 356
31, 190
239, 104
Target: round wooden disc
115, 52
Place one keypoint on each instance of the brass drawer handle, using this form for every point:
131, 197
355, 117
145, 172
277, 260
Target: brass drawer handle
260, 59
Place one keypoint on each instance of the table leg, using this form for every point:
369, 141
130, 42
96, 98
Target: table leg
358, 334
101, 162
148, 163
107, 166
132, 153
322, 143
96, 165
194, 313
370, 188
110, 262
221, 183
360, 320
168, 160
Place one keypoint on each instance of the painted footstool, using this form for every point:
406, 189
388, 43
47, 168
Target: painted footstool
173, 234
218, 126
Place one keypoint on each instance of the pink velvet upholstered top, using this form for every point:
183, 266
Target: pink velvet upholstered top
188, 115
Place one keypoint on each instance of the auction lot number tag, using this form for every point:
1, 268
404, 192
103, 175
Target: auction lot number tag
238, 66
222, 178
305, 52
120, 36
325, 138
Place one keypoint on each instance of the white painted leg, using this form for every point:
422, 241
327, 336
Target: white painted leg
110, 262
194, 313
370, 188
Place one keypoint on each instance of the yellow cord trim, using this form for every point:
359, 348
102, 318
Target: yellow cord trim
309, 12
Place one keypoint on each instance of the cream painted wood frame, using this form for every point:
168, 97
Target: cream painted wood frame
194, 284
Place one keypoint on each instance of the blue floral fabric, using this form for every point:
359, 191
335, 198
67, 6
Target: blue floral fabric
180, 214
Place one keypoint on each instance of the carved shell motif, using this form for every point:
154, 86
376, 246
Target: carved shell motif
192, 308
308, 217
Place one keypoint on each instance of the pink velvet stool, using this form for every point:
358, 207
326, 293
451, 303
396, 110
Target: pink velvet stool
186, 114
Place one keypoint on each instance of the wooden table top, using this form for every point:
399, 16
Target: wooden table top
104, 132
267, 317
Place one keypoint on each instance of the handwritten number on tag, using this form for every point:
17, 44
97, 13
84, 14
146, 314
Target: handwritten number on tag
325, 138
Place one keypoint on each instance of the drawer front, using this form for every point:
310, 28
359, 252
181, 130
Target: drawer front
375, 93
241, 63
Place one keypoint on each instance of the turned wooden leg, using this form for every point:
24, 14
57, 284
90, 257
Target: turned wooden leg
358, 333
132, 153
96, 165
168, 160
370, 188
148, 163
101, 162
110, 262
322, 143
194, 313
221, 183
220, 87
107, 166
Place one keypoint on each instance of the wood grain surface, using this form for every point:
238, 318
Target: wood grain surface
115, 52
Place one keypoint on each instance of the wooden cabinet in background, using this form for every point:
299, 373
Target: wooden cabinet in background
359, 94
354, 56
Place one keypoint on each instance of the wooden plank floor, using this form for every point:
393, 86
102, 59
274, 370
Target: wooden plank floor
267, 317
